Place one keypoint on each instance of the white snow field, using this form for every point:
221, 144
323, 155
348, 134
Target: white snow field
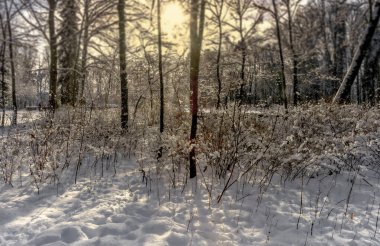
122, 210
23, 116
136, 202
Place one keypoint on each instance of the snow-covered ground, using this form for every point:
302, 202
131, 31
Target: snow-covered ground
123, 210
23, 116
136, 201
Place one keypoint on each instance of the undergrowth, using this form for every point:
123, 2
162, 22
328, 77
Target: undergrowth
234, 145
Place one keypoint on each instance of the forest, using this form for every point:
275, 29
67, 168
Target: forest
189, 122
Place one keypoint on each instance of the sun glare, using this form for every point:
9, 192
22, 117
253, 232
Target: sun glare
173, 17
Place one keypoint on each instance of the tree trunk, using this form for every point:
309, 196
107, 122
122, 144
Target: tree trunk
338, 29
53, 71
69, 53
243, 47
123, 65
85, 50
162, 106
370, 69
326, 53
196, 37
13, 76
242, 69
2, 69
278, 33
219, 55
294, 55
344, 90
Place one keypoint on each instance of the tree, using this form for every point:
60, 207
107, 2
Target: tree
69, 53
197, 21
123, 65
241, 15
326, 52
344, 90
2, 68
10, 48
36, 20
292, 50
97, 17
279, 42
53, 70
86, 24
370, 70
216, 9
274, 13
145, 43
160, 71
338, 14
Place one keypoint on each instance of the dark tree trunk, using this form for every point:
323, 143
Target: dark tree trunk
13, 76
162, 106
53, 72
294, 55
69, 53
278, 34
2, 69
370, 70
196, 37
343, 94
123, 65
339, 37
326, 52
242, 68
219, 55
243, 48
86, 40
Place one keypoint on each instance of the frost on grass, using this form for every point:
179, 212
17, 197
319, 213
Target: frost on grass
309, 177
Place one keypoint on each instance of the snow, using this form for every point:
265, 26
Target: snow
328, 205
121, 210
23, 116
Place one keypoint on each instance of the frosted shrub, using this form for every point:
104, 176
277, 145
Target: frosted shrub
239, 145
234, 145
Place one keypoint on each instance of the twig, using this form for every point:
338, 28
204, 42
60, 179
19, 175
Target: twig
377, 220
301, 206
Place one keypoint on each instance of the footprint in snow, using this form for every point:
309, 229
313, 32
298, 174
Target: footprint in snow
72, 234
119, 218
116, 229
98, 219
155, 227
175, 238
131, 236
45, 239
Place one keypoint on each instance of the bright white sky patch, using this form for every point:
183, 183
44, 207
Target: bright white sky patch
173, 17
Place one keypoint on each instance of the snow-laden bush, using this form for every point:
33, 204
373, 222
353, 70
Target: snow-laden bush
73, 137
238, 143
